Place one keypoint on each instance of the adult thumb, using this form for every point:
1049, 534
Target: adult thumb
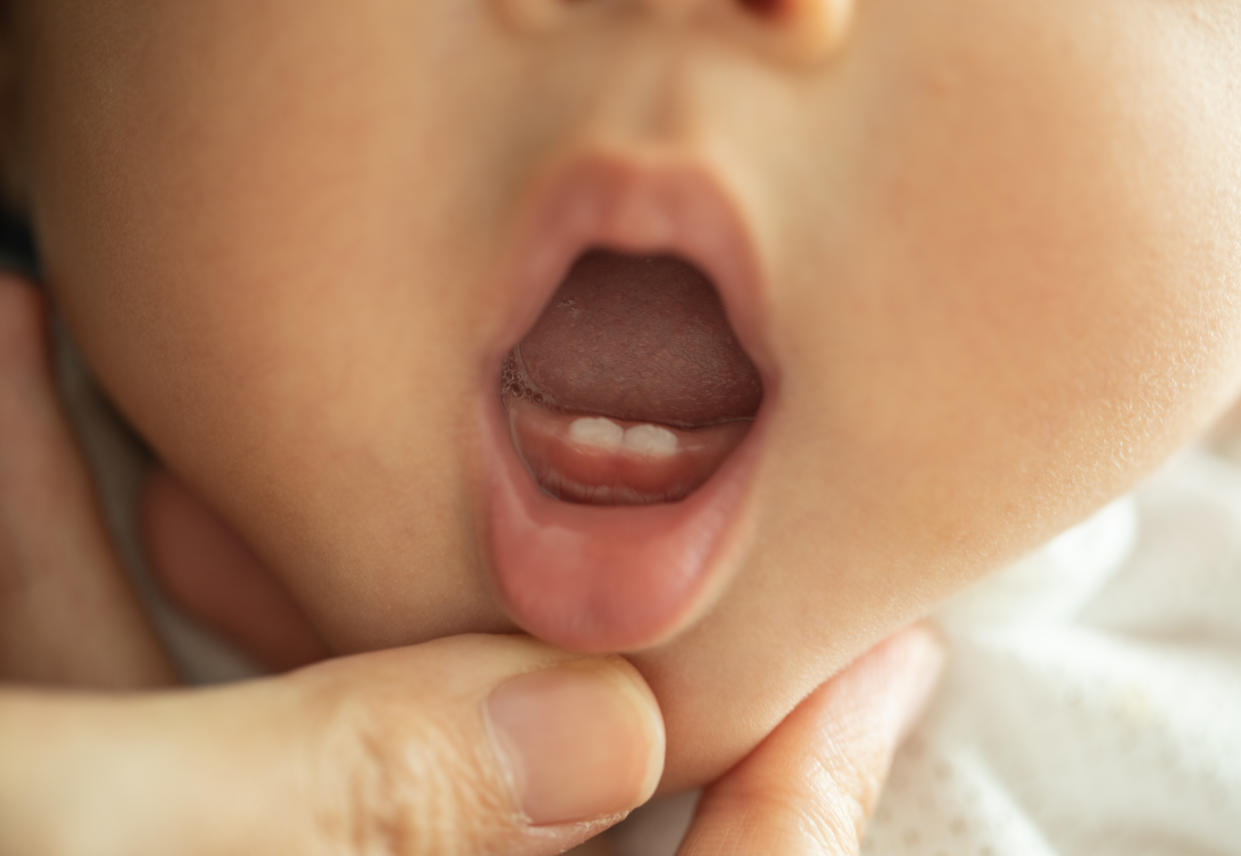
470, 745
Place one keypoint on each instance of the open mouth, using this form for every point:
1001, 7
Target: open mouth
625, 415
631, 388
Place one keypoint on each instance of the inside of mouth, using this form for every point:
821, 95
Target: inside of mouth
631, 387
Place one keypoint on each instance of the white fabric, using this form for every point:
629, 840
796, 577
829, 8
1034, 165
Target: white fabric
1093, 700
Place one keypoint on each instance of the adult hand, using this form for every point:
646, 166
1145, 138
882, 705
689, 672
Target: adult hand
470, 745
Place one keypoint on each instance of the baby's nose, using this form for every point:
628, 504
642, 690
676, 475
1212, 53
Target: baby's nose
804, 31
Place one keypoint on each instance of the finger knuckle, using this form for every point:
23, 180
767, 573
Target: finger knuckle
400, 785
803, 820
823, 804
830, 828
849, 766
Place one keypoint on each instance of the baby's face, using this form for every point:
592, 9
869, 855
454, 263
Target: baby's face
983, 254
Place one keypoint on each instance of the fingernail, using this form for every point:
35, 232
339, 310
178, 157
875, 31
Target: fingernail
919, 656
580, 742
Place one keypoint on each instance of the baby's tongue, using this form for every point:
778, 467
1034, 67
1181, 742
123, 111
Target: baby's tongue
636, 338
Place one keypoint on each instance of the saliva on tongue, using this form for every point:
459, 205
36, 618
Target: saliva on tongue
644, 343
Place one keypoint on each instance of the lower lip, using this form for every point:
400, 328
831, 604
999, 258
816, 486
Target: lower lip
610, 578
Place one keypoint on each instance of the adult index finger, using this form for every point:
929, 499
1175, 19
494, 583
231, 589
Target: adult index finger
809, 788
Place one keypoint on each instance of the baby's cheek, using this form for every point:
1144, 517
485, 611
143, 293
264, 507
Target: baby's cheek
1034, 299
1035, 296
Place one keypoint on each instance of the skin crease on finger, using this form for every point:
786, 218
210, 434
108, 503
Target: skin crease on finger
1001, 244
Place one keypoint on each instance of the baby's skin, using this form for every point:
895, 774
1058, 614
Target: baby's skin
990, 254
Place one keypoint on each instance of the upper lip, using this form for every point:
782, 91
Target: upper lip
676, 206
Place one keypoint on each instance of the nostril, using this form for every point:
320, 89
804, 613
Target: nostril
764, 8
800, 31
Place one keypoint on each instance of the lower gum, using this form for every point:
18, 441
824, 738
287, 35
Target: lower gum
541, 437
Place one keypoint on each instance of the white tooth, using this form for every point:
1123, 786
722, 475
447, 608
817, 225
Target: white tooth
651, 440
596, 431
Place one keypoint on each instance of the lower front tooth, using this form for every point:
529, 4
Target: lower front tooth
596, 431
651, 440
